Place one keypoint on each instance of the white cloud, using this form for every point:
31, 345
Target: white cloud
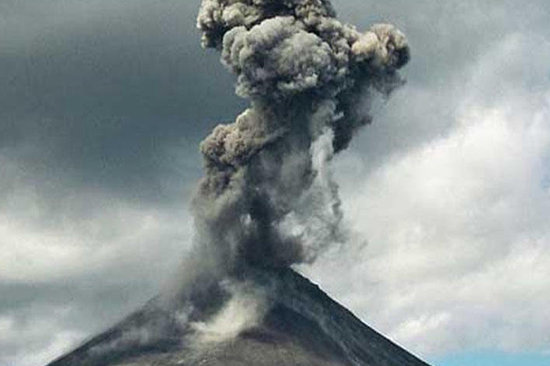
73, 263
112, 234
458, 232
35, 340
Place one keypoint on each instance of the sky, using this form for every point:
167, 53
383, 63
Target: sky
446, 195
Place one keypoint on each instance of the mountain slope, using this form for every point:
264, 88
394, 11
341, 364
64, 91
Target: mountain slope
302, 326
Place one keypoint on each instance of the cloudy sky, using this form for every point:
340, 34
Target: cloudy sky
447, 194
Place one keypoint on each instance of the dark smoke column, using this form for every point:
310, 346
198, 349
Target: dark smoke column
268, 198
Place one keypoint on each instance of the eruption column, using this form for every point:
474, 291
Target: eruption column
268, 198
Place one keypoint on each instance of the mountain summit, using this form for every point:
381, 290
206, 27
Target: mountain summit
301, 325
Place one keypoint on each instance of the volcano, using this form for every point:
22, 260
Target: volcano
301, 326
268, 199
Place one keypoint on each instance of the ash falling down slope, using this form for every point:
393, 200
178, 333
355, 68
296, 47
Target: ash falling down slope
268, 200
301, 326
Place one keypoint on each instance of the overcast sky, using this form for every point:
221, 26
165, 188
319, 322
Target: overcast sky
447, 194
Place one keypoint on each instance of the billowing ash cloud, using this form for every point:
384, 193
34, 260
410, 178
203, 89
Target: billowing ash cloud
268, 198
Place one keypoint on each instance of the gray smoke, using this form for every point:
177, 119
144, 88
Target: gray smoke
268, 198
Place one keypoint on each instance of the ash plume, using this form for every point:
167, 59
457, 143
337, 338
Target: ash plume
268, 198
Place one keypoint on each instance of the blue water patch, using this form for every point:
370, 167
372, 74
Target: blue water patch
493, 359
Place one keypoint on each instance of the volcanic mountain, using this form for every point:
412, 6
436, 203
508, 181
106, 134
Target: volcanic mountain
268, 199
301, 325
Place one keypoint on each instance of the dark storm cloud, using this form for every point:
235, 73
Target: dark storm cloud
97, 91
